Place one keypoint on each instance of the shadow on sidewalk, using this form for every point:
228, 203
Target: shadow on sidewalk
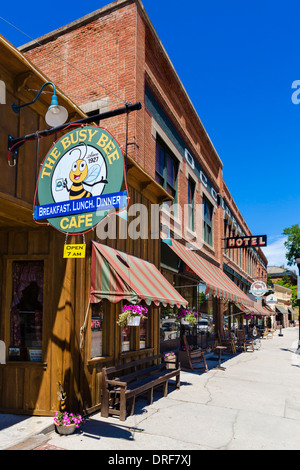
7, 420
95, 429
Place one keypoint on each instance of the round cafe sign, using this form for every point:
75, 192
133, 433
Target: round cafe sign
258, 288
80, 180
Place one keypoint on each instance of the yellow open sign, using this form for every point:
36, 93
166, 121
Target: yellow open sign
74, 251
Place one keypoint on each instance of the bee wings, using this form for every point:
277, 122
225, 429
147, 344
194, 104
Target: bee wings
93, 173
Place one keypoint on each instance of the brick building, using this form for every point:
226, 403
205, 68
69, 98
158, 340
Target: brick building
113, 56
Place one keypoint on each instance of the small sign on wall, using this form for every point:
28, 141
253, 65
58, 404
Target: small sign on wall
74, 250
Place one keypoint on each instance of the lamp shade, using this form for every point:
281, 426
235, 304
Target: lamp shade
56, 115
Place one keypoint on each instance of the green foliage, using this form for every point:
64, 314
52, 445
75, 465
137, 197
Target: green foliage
191, 318
293, 243
201, 297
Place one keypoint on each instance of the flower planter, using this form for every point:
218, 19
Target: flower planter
133, 321
66, 430
184, 321
171, 364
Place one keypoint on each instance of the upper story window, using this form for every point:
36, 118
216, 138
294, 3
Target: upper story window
166, 169
207, 221
191, 204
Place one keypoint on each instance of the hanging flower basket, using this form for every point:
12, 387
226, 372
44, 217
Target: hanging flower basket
131, 315
133, 321
186, 317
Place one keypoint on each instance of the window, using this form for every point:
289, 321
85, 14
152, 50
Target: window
166, 169
97, 330
26, 314
134, 337
191, 204
143, 333
126, 346
225, 235
207, 221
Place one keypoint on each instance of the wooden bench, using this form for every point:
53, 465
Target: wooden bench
122, 384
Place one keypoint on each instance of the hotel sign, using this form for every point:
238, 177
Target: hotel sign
80, 181
241, 242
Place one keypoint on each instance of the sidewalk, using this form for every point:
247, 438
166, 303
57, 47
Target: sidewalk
253, 404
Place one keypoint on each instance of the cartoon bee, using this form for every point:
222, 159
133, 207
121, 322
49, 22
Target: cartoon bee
81, 175
62, 396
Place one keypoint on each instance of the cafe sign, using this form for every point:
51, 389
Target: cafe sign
80, 181
258, 288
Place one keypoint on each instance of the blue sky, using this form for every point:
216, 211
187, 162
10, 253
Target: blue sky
237, 61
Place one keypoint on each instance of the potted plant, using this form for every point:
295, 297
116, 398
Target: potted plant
170, 360
187, 317
131, 315
66, 423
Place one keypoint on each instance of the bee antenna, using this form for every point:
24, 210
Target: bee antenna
86, 149
76, 148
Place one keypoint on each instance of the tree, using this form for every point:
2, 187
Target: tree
293, 243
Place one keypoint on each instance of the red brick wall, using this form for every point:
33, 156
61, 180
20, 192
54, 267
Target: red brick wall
104, 51
120, 50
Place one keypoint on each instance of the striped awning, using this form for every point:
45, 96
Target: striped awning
217, 282
116, 276
281, 309
265, 311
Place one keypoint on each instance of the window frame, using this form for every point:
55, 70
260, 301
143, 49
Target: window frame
162, 178
191, 205
7, 297
209, 240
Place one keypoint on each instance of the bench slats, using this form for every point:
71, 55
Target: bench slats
119, 386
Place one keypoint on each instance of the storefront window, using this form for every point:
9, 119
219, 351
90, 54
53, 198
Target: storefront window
97, 330
169, 328
126, 338
134, 337
143, 334
26, 315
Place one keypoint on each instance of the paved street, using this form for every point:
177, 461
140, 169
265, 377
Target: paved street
253, 404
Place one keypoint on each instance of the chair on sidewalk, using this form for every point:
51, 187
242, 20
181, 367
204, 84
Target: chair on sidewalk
226, 340
242, 342
195, 358
267, 332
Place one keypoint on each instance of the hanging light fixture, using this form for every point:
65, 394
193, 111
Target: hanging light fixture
55, 116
